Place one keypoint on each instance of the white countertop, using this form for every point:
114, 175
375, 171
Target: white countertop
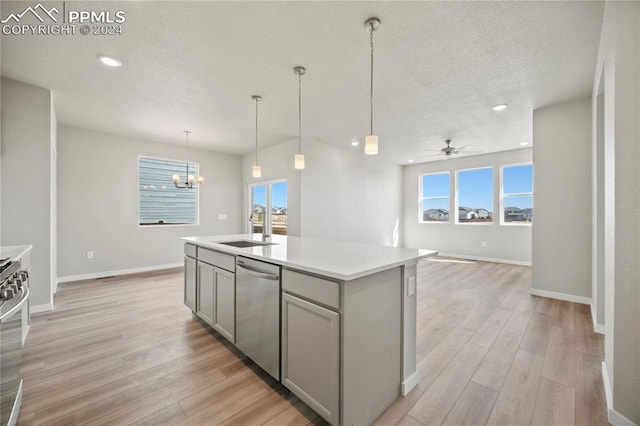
14, 252
335, 259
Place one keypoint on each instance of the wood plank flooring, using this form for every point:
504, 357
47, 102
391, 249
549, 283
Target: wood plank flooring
125, 350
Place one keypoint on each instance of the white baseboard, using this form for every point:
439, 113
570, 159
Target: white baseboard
597, 328
41, 308
410, 383
615, 418
561, 296
94, 275
487, 259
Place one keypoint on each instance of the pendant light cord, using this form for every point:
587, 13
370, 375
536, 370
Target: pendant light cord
371, 88
299, 112
186, 132
256, 131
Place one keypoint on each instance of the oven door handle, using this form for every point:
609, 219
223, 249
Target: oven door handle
23, 299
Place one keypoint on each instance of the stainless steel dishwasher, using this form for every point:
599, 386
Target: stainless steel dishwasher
258, 313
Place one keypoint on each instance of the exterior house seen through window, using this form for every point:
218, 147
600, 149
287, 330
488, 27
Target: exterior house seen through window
517, 194
434, 200
160, 202
474, 196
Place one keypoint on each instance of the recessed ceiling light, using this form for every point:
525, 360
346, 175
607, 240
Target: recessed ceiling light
500, 107
355, 143
410, 161
524, 143
109, 61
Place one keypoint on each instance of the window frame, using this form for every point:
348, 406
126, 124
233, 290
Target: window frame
457, 201
515, 194
158, 225
422, 198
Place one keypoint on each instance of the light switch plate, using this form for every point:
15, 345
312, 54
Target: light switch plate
411, 286
222, 216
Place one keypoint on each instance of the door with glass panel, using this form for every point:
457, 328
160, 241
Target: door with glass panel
268, 207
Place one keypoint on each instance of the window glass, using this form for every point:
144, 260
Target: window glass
434, 198
475, 195
517, 194
159, 201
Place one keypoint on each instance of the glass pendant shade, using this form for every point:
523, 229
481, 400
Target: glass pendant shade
299, 161
257, 171
200, 180
176, 179
371, 145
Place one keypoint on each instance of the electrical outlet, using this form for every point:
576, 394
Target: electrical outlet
89, 255
484, 244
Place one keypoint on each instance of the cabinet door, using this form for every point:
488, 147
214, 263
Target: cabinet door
190, 283
224, 313
310, 355
206, 279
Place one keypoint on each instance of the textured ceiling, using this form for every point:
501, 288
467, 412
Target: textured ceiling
439, 68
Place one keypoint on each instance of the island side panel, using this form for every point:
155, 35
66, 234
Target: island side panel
371, 345
410, 376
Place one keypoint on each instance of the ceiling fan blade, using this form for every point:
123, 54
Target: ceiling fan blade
469, 152
430, 155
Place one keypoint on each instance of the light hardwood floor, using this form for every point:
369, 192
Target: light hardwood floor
126, 351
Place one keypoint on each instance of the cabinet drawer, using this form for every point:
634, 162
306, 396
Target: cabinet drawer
317, 289
218, 259
190, 250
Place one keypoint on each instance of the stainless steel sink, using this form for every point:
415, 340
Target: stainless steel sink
246, 243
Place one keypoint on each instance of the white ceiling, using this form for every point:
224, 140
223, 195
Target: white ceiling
439, 68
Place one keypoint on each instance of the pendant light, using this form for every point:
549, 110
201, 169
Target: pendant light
191, 180
257, 170
298, 162
371, 141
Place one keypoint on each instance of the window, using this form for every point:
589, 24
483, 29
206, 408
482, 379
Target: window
434, 198
474, 195
159, 201
517, 194
268, 201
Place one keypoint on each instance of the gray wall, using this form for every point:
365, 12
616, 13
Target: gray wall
340, 195
98, 204
562, 227
27, 196
619, 56
507, 243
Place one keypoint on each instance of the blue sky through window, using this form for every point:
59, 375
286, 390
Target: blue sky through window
475, 189
435, 185
517, 179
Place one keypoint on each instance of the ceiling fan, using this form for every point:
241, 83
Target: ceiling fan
449, 150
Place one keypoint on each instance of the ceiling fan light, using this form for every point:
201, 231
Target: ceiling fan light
298, 161
256, 171
371, 145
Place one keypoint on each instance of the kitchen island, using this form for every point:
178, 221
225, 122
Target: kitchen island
345, 342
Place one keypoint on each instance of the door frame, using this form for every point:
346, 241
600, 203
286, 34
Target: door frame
268, 201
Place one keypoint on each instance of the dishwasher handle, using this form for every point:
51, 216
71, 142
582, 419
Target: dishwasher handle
258, 274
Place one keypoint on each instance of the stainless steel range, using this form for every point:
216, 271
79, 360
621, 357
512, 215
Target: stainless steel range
14, 296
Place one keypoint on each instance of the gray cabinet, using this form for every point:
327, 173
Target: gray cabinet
311, 355
224, 312
190, 282
206, 280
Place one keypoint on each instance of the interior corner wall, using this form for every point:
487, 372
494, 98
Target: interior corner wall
619, 56
26, 175
349, 196
98, 204
561, 256
340, 195
503, 243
